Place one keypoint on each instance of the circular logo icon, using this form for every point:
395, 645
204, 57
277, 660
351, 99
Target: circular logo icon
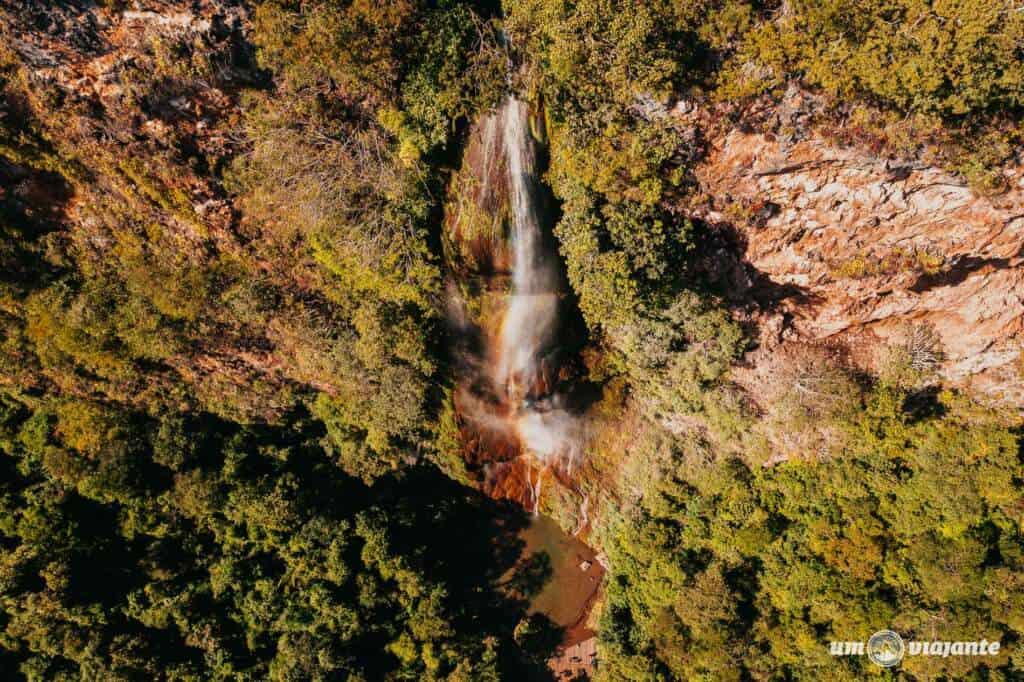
885, 648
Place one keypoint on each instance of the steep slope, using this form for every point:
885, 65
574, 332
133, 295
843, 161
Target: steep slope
841, 246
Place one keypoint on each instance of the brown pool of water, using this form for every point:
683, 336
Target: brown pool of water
574, 581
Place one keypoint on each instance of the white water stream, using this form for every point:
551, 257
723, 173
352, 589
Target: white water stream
526, 369
532, 315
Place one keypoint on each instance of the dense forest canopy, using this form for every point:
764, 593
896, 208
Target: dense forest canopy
227, 433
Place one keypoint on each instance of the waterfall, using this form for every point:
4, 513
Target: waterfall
584, 518
527, 368
536, 492
513, 388
532, 314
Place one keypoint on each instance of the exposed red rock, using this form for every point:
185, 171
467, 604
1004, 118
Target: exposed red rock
840, 245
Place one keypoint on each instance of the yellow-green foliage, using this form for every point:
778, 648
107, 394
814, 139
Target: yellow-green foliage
893, 262
423, 67
360, 213
446, 446
174, 200
625, 160
283, 567
180, 61
981, 161
68, 327
359, 44
85, 427
608, 49
726, 571
676, 356
952, 57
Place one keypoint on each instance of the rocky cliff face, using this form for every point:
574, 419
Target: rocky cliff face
834, 245
150, 93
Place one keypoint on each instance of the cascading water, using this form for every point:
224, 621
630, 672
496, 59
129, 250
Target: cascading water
533, 307
514, 389
527, 363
